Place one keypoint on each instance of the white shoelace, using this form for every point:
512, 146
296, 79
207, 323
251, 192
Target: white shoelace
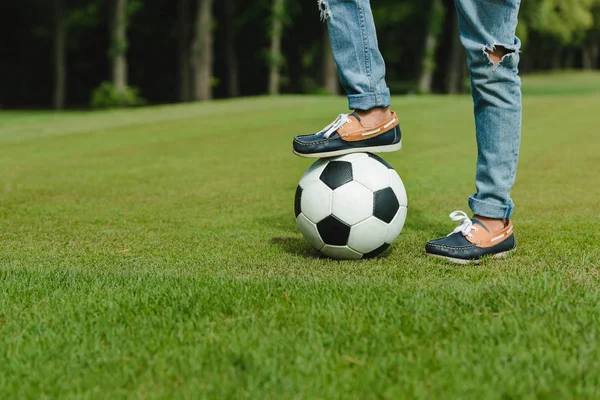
340, 121
466, 225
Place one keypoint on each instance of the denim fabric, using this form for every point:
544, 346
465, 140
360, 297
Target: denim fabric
497, 100
496, 89
354, 43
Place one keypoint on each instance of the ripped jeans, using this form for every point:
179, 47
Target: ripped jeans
496, 89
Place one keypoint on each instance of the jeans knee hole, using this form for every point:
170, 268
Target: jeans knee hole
324, 9
499, 55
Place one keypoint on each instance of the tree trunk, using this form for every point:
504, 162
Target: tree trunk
456, 60
590, 55
556, 59
431, 41
119, 45
230, 53
183, 49
202, 51
60, 65
586, 58
275, 57
330, 75
569, 59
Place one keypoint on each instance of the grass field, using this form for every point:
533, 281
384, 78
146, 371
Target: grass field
153, 253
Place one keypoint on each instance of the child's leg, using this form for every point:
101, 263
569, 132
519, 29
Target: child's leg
487, 31
354, 45
371, 127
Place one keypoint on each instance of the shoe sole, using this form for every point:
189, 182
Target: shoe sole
504, 254
379, 149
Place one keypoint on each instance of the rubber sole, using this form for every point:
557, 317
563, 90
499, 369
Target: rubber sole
467, 262
379, 149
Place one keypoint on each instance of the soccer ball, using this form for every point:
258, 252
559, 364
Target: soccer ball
351, 207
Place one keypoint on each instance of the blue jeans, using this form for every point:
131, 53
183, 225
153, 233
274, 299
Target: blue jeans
496, 89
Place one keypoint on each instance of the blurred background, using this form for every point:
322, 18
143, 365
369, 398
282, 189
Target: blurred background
81, 54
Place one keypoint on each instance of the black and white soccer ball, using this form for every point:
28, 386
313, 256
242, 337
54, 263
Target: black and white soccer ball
351, 207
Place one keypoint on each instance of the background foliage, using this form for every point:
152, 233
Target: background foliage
170, 59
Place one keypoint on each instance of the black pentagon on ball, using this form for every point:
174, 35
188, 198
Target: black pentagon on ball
333, 231
377, 251
336, 174
297, 201
385, 205
381, 160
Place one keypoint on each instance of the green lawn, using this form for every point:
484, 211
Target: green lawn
153, 253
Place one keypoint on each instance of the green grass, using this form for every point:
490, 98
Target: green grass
153, 253
562, 83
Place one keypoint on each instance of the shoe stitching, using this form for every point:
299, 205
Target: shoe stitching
313, 143
442, 246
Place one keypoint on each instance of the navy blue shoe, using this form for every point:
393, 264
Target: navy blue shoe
471, 241
347, 135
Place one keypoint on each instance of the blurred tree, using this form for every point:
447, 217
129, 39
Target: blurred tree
118, 46
435, 21
563, 20
549, 28
180, 50
68, 23
276, 58
202, 51
183, 50
401, 31
60, 55
591, 45
456, 59
233, 87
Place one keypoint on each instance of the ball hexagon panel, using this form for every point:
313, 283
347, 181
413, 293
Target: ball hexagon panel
398, 186
310, 232
368, 236
371, 173
313, 173
341, 252
297, 201
352, 203
333, 231
336, 174
385, 205
315, 201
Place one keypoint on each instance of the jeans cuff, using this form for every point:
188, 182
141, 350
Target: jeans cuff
490, 210
366, 101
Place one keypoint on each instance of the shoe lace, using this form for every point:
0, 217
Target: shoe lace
466, 225
340, 121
